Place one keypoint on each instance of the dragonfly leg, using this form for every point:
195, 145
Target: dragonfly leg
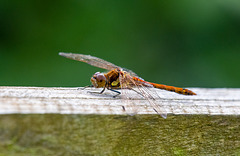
85, 87
102, 90
99, 92
118, 93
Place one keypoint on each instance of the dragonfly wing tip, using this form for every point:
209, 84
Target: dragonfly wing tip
164, 116
61, 54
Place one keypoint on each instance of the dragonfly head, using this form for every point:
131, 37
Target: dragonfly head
98, 80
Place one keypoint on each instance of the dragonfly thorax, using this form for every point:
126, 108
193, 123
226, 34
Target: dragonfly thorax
98, 80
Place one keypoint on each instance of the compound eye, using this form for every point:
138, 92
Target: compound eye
100, 77
96, 74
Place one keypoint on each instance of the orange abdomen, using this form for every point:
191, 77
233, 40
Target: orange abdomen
165, 87
173, 89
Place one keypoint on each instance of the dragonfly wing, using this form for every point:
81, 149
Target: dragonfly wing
130, 108
94, 61
130, 72
147, 92
151, 96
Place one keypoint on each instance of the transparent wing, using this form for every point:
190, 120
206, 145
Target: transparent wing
94, 61
127, 82
129, 105
130, 72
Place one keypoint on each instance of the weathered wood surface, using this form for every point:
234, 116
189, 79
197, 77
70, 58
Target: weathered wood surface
70, 134
31, 100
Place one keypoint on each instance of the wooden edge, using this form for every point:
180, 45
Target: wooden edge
37, 100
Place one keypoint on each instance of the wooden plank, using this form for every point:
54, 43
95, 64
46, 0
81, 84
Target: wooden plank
35, 100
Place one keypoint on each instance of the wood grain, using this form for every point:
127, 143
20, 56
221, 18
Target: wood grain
38, 100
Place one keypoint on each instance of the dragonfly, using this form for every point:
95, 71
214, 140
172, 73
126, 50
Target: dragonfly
124, 79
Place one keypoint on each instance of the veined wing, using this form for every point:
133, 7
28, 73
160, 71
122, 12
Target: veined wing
94, 61
127, 82
126, 87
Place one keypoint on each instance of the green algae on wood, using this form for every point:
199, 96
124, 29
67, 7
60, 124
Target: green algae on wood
51, 134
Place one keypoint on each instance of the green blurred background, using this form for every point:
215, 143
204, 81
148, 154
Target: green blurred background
182, 43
